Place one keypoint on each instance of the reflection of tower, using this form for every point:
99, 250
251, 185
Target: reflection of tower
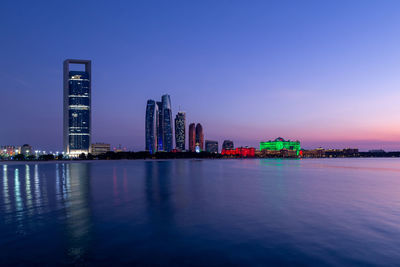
192, 137
158, 193
78, 210
6, 195
199, 138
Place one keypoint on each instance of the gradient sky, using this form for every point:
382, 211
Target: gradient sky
323, 72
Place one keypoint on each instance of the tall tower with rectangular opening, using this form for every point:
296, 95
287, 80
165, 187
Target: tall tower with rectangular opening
77, 107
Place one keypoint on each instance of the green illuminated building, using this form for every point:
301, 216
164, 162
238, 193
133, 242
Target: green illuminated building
279, 144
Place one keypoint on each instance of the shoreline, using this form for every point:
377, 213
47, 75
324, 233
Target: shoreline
32, 162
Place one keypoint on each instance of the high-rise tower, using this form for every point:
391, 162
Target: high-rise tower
167, 123
192, 137
151, 126
160, 131
180, 125
77, 108
199, 138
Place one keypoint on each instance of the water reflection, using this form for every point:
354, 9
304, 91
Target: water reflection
115, 187
38, 197
78, 215
6, 194
28, 189
158, 193
17, 191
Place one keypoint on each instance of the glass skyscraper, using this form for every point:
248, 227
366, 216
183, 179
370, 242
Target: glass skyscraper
199, 138
167, 123
159, 116
180, 125
192, 137
151, 126
160, 131
77, 108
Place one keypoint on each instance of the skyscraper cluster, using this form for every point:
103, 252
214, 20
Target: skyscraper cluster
159, 136
159, 129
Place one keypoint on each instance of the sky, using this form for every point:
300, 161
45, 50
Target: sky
322, 72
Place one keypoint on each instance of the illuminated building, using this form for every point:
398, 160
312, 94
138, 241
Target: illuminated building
244, 152
9, 151
26, 150
228, 144
100, 148
167, 123
280, 144
211, 146
347, 152
160, 146
159, 125
192, 137
119, 149
314, 153
151, 126
77, 108
180, 131
199, 137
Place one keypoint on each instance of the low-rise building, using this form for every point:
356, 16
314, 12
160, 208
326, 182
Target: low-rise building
211, 146
100, 148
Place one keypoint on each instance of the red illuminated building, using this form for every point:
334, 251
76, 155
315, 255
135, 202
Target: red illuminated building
244, 152
192, 137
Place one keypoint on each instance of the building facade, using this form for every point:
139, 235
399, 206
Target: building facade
199, 138
244, 152
77, 108
211, 146
281, 144
180, 130
167, 123
151, 126
228, 144
26, 150
100, 148
160, 131
192, 137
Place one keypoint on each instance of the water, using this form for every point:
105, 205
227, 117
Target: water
201, 212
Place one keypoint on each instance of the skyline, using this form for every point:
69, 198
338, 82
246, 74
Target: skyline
327, 78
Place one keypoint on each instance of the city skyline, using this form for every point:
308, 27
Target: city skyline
328, 81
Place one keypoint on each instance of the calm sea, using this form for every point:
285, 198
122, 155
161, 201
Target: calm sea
251, 212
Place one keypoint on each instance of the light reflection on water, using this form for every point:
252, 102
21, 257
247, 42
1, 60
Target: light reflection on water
202, 212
